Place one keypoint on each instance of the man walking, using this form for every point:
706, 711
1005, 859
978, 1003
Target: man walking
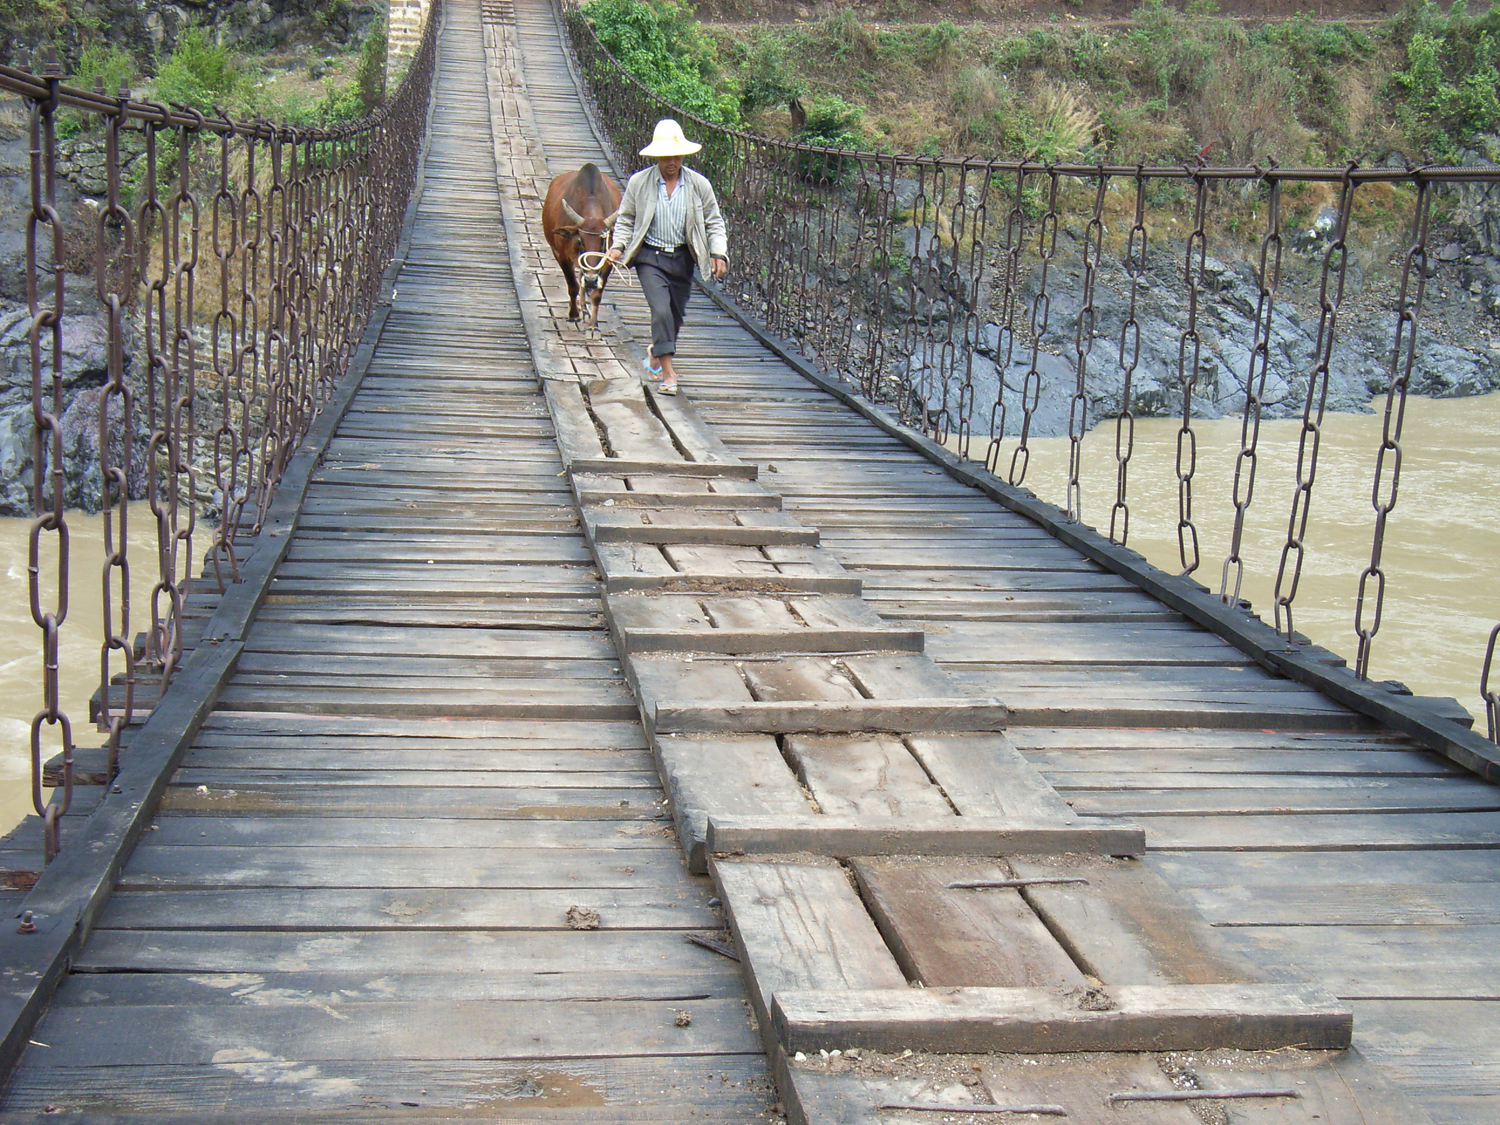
669, 222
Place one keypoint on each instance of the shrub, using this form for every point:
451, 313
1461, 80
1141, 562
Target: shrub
370, 74
198, 73
833, 122
660, 44
109, 64
765, 78
1442, 107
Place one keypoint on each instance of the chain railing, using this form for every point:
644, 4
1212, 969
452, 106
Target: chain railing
236, 264
889, 272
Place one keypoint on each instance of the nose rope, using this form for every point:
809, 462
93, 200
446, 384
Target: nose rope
593, 262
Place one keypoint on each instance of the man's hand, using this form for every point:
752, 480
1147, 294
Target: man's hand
614, 255
718, 267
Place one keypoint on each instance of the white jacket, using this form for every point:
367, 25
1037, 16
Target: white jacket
705, 225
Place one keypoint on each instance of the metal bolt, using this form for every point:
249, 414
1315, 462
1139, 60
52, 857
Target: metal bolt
27, 926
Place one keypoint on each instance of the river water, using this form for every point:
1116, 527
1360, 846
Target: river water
1441, 554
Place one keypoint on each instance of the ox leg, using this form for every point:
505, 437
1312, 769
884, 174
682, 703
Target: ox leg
567, 268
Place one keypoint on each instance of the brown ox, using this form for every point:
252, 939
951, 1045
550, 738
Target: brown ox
581, 208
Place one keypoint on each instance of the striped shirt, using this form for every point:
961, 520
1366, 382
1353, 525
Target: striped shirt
669, 224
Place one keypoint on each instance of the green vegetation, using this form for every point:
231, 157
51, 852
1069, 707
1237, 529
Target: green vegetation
1449, 88
108, 65
199, 73
661, 44
1168, 86
369, 76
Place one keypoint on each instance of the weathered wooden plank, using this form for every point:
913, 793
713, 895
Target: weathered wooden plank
739, 626
326, 910
1125, 925
724, 776
1040, 1021
576, 437
332, 835
1082, 1086
630, 466
800, 926
653, 1089
1315, 869
630, 428
833, 716
454, 1029
667, 526
946, 936
157, 868
985, 775
799, 678
1296, 832
719, 559
1433, 795
708, 977
689, 431
866, 777
1349, 904
843, 836
416, 802
1380, 962
900, 675
250, 728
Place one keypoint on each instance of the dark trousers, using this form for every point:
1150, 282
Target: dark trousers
666, 278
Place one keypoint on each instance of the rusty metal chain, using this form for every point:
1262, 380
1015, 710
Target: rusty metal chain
1268, 277
115, 284
1330, 299
1387, 481
1031, 384
1130, 358
1490, 696
247, 293
49, 530
1189, 363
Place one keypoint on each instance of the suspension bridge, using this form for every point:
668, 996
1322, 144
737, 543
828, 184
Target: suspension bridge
535, 747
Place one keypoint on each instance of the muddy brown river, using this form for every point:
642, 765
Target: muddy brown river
1441, 557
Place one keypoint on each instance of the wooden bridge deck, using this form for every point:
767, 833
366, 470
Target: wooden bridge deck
354, 901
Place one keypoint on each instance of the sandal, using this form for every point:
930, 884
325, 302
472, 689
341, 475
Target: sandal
652, 373
667, 389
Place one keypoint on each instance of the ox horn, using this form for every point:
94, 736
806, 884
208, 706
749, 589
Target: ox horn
609, 220
574, 218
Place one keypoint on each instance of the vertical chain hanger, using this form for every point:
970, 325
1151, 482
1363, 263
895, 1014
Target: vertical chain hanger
1330, 300
1383, 490
1130, 358
45, 271
1189, 363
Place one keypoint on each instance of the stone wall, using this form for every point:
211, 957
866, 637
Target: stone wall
404, 32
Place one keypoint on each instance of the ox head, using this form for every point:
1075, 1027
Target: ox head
591, 237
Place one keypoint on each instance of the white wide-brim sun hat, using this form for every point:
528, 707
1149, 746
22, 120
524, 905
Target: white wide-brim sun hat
669, 141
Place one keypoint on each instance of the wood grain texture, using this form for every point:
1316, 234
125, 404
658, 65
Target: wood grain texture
1164, 1018
943, 936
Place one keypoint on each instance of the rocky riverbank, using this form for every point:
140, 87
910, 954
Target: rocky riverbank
1458, 342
